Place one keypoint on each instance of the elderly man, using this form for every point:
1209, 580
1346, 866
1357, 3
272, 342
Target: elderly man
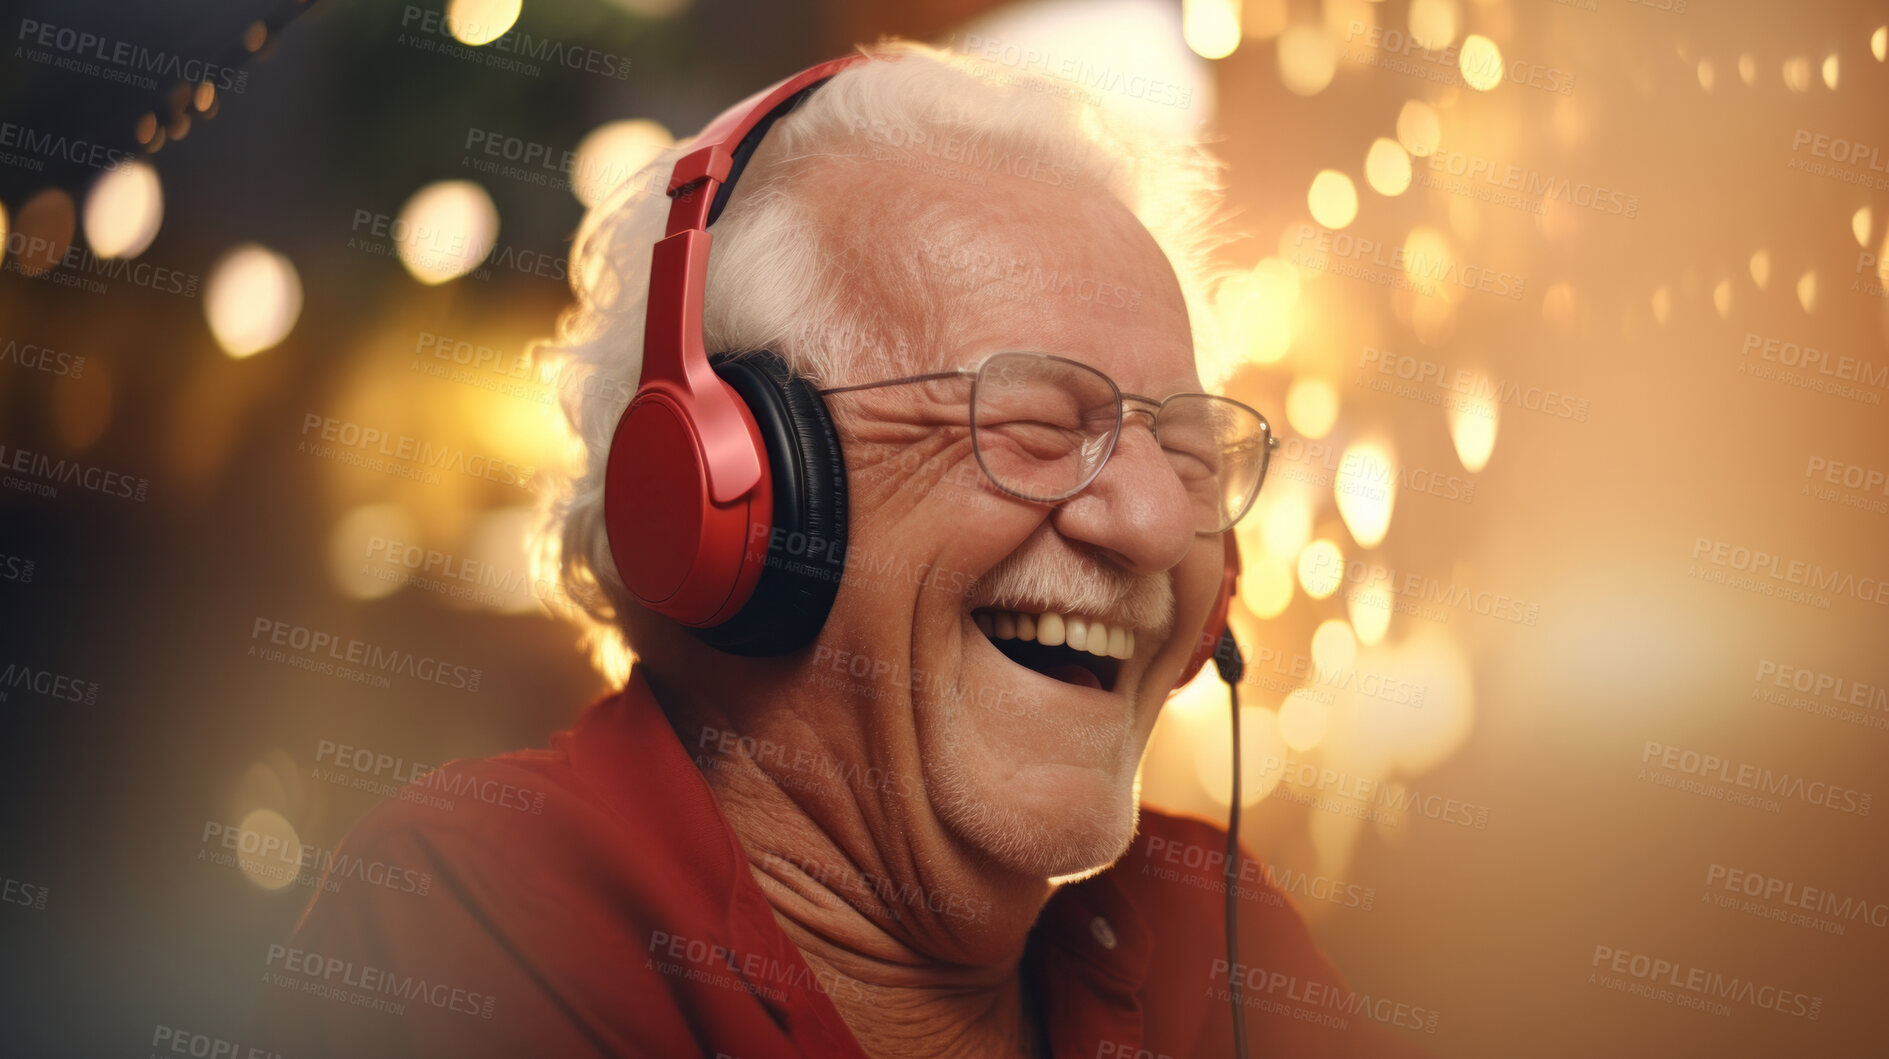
899, 818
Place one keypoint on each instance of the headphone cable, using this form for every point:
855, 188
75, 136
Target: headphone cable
1232, 666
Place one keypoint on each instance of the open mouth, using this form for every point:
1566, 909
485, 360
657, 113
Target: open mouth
1078, 651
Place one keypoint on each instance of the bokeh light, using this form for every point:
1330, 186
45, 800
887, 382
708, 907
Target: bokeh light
445, 230
1761, 269
268, 850
1369, 606
1321, 569
612, 153
1333, 199
1387, 167
1266, 587
42, 231
1303, 720
1807, 291
252, 299
1859, 226
124, 210
1433, 23
1334, 648
1481, 62
1418, 128
366, 549
1307, 60
478, 22
1473, 422
1312, 406
1211, 27
1366, 490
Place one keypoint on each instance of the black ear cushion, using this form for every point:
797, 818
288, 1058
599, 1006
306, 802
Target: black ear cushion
806, 555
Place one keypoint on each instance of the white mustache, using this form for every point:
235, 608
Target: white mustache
1078, 584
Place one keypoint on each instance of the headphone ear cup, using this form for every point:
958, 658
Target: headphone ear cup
806, 554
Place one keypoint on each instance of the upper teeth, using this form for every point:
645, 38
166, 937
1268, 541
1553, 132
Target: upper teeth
1052, 629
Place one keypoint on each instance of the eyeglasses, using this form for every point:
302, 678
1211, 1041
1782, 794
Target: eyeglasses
1042, 427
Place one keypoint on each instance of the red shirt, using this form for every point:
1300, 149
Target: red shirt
590, 900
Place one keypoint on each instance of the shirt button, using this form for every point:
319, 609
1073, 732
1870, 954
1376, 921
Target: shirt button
1104, 934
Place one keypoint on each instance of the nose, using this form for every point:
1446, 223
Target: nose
1136, 509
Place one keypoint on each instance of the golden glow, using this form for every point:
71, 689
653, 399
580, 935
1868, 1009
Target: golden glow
1285, 525
498, 544
1303, 721
1663, 304
1255, 316
614, 152
1722, 299
1557, 307
445, 230
43, 229
252, 299
1263, 19
478, 22
124, 209
1366, 490
82, 407
1859, 226
1427, 254
1433, 23
1307, 60
1321, 569
1761, 269
1807, 290
3, 231
1879, 43
1387, 167
1830, 72
1748, 70
366, 549
1708, 75
1211, 27
1473, 423
1370, 608
1266, 587
1333, 199
1481, 62
1797, 74
1334, 648
1418, 128
1312, 406
268, 850
1259, 742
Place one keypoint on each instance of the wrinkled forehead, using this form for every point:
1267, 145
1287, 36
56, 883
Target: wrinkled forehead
969, 267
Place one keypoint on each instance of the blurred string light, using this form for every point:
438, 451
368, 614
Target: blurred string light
1285, 526
1266, 587
614, 152
1332, 198
1662, 303
1473, 422
1364, 489
1211, 27
1321, 569
1830, 72
252, 299
274, 859
1722, 299
1433, 23
1481, 62
1312, 406
1254, 307
124, 210
1387, 167
1708, 74
1260, 742
652, 8
1303, 721
477, 22
1307, 59
1879, 43
1797, 74
1748, 69
1370, 608
43, 230
1761, 269
1418, 128
352, 569
1334, 648
1807, 291
1859, 226
445, 230
3, 231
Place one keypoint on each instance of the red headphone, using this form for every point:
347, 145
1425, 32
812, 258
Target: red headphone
725, 491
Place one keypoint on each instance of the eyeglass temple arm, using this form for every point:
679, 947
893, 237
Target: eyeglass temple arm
930, 377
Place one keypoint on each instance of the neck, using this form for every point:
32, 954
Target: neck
917, 941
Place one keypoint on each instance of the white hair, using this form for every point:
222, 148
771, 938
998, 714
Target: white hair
778, 281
